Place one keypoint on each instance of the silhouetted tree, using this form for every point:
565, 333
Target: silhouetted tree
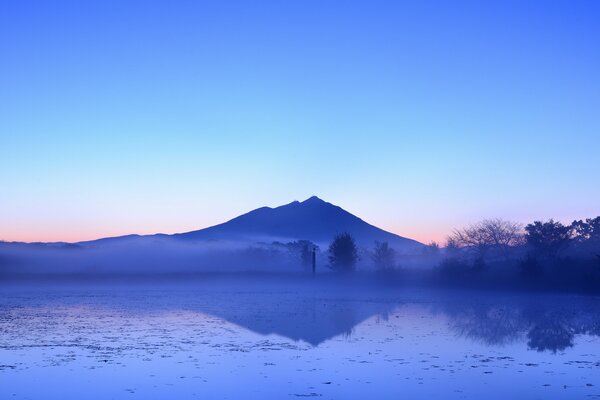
503, 234
343, 253
586, 238
547, 239
452, 247
432, 249
586, 230
487, 235
383, 256
472, 238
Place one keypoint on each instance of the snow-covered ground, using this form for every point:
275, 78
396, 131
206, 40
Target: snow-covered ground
235, 340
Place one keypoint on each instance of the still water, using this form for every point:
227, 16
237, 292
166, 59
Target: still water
232, 341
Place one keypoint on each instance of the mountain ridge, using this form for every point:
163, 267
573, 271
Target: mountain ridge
312, 219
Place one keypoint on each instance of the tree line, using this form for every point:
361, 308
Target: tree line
547, 251
547, 240
343, 254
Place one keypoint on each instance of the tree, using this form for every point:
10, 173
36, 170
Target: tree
503, 234
548, 238
452, 247
586, 230
432, 249
472, 238
383, 256
343, 253
490, 234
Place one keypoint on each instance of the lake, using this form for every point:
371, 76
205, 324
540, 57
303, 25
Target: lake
231, 340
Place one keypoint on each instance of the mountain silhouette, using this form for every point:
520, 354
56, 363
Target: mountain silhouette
312, 219
254, 241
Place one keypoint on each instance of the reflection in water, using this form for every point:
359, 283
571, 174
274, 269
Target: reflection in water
310, 318
310, 341
493, 325
550, 335
549, 323
544, 323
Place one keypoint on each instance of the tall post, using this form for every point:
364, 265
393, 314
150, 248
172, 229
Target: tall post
314, 260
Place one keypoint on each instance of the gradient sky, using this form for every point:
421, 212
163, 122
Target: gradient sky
124, 116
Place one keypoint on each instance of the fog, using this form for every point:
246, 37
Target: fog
148, 256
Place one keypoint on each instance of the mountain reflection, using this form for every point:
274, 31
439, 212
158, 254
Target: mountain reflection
548, 323
544, 323
309, 318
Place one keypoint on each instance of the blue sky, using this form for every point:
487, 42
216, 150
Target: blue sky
141, 116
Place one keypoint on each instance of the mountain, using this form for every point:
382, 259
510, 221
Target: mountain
245, 243
312, 219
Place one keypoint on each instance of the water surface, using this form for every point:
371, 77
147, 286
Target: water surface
236, 341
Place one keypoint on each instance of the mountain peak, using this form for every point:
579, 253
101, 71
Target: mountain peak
313, 200
312, 219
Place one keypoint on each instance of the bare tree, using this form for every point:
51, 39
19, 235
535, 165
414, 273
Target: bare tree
473, 238
503, 234
452, 246
487, 235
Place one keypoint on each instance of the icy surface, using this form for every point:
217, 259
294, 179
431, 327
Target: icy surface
276, 341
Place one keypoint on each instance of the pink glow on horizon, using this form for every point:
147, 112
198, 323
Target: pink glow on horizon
79, 234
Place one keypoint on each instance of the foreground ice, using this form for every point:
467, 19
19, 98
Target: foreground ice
286, 341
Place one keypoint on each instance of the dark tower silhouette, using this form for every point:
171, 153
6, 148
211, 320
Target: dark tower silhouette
314, 260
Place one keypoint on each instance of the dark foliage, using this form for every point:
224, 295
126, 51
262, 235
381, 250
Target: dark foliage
547, 239
549, 255
343, 253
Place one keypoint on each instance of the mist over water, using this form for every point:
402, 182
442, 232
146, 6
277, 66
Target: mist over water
455, 253
282, 337
147, 256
